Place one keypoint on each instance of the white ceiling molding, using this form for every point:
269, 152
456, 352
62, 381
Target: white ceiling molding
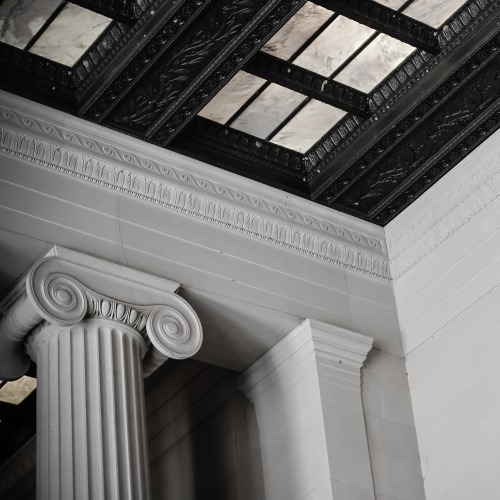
72, 146
450, 204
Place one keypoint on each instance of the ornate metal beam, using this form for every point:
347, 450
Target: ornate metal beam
168, 94
238, 152
125, 11
446, 126
146, 43
30, 75
381, 18
308, 83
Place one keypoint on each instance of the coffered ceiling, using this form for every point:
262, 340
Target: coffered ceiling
357, 105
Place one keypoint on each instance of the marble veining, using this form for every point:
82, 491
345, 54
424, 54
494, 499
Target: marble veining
297, 30
230, 98
374, 63
21, 19
308, 126
268, 111
333, 46
433, 12
16, 391
70, 34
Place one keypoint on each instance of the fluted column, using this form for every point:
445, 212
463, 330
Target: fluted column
91, 427
94, 330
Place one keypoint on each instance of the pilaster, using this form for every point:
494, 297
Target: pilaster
307, 395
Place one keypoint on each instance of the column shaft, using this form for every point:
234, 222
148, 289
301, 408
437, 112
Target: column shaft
91, 428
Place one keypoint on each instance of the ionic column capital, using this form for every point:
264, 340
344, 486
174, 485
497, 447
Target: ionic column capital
64, 291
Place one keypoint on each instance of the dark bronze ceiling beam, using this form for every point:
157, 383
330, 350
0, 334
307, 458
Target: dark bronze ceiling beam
31, 75
182, 80
238, 152
148, 40
308, 83
386, 20
125, 11
422, 146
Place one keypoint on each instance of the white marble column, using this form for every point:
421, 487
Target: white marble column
90, 412
307, 396
99, 328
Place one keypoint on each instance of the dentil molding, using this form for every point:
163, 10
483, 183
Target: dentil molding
74, 147
64, 291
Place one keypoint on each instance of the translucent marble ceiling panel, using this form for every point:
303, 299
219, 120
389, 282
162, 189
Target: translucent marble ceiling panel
374, 63
297, 30
433, 12
308, 126
18, 390
21, 19
71, 33
241, 87
268, 111
333, 46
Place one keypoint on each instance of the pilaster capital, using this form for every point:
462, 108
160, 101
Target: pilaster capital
339, 344
65, 290
337, 352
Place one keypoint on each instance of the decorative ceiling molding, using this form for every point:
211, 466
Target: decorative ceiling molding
149, 80
329, 152
237, 151
93, 68
310, 84
170, 93
51, 81
72, 146
126, 11
420, 148
68, 145
134, 62
443, 210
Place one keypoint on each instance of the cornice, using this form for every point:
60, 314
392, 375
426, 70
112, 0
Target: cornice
74, 147
449, 205
339, 343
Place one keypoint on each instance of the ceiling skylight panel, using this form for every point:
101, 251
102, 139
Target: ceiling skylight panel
374, 63
268, 111
17, 391
232, 97
433, 12
19, 21
339, 41
297, 30
71, 33
308, 126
